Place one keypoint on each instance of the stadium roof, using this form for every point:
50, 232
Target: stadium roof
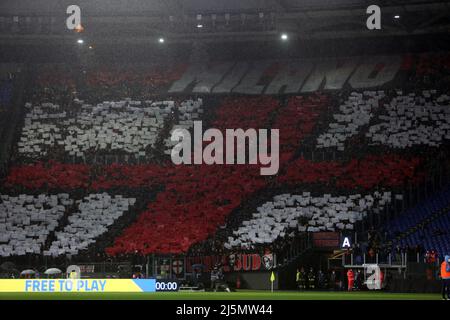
219, 20
146, 7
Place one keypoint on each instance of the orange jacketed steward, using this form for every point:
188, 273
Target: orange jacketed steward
444, 273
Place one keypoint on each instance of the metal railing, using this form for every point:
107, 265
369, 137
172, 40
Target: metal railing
396, 261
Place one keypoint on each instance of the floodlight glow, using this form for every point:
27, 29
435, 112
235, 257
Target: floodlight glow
199, 26
161, 40
80, 41
284, 36
397, 16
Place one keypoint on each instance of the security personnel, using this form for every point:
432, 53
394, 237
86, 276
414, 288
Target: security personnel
445, 276
320, 280
350, 279
333, 280
298, 279
303, 279
311, 279
215, 278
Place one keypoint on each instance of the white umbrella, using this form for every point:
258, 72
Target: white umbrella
27, 272
53, 271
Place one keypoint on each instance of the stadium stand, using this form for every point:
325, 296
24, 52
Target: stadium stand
88, 176
96, 213
67, 137
122, 127
52, 176
298, 119
197, 200
366, 173
405, 121
327, 213
425, 225
129, 80
356, 112
27, 221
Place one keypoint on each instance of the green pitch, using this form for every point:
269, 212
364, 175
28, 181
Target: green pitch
240, 295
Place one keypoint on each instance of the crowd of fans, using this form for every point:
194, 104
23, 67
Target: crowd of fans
200, 209
377, 248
